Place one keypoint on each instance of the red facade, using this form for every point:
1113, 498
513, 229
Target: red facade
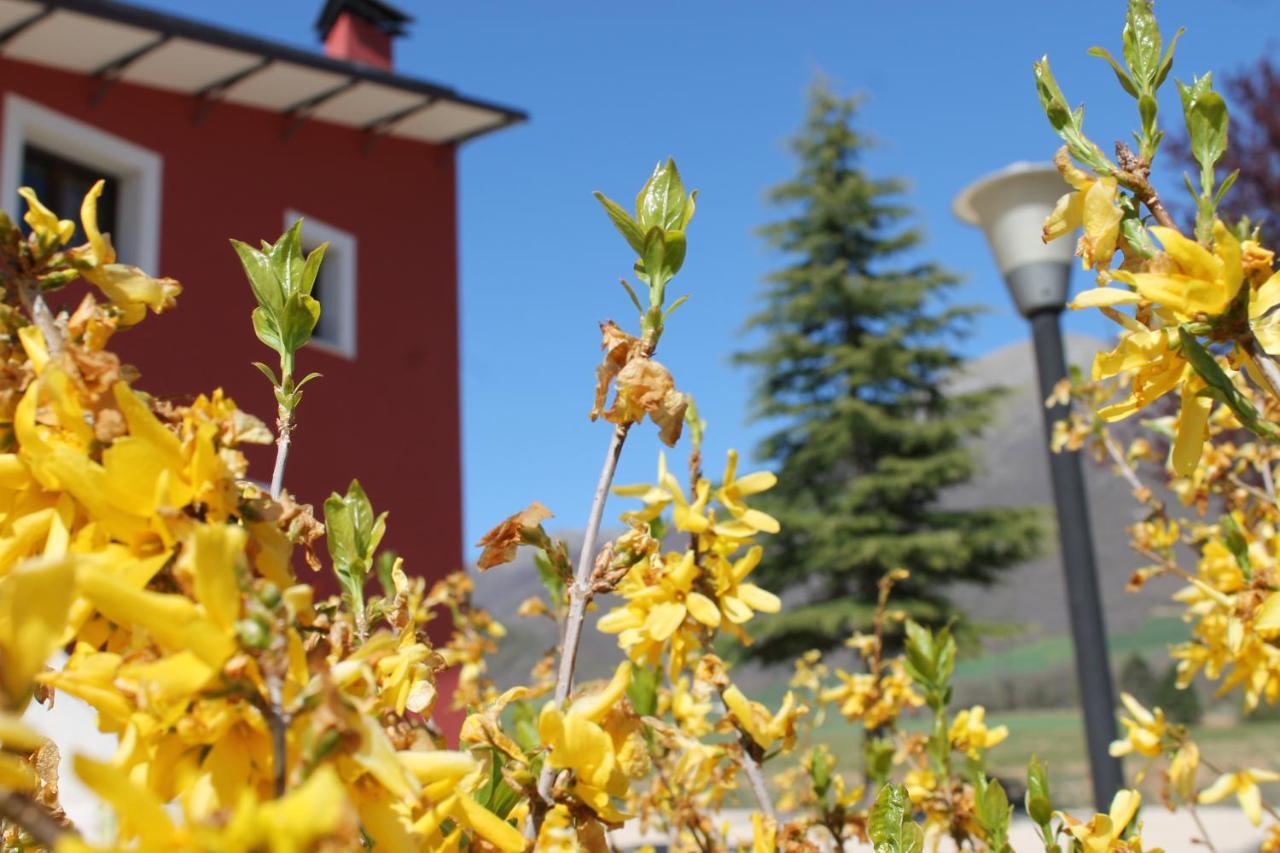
390, 416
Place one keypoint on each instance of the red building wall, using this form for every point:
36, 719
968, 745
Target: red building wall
391, 416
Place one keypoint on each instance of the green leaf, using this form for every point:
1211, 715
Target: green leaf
635, 300
1166, 64
352, 536
820, 770
550, 577
262, 278
286, 259
382, 567
1221, 387
298, 320
1068, 123
1039, 803
662, 200
884, 823
643, 689
674, 250
267, 372
267, 330
1126, 82
1237, 544
1207, 125
1141, 39
311, 268
622, 220
306, 379
878, 755
994, 813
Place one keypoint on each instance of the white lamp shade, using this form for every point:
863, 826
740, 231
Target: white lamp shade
1010, 206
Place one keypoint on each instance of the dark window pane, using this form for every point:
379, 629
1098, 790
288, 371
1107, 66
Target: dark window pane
61, 184
324, 292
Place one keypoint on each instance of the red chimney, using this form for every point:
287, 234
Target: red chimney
360, 30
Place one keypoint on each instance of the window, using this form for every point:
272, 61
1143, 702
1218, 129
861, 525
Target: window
61, 157
335, 286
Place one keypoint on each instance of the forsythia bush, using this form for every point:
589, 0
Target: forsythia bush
251, 716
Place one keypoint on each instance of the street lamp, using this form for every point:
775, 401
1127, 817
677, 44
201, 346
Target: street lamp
1010, 206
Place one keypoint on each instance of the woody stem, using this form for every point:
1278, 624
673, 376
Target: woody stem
40, 314
580, 593
284, 436
43, 827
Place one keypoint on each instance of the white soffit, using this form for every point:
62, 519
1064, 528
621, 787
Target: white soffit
188, 66
366, 102
77, 42
282, 85
446, 120
14, 12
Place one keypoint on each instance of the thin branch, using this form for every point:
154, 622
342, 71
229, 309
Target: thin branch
580, 595
1204, 832
1135, 175
284, 437
756, 777
25, 812
40, 315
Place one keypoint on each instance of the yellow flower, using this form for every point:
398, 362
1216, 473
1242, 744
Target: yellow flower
1145, 730
1182, 771
754, 719
1244, 784
1092, 204
1102, 833
687, 517
1200, 282
659, 598
129, 288
737, 598
969, 732
578, 742
47, 227
734, 489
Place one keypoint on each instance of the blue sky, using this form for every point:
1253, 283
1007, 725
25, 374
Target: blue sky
720, 86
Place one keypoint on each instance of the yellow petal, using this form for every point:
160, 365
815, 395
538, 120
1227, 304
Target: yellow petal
1100, 297
1250, 798
138, 810
102, 253
34, 601
1194, 260
1101, 222
1066, 217
1265, 298
171, 679
703, 609
1222, 787
434, 765
173, 620
664, 619
490, 827
595, 706
1193, 421
759, 599
42, 220
760, 481
211, 554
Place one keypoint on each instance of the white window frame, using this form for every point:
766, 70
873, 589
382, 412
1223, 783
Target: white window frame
137, 171
340, 271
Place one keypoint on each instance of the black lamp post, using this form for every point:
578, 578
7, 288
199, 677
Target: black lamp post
1010, 206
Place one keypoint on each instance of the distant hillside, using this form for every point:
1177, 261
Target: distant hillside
1015, 472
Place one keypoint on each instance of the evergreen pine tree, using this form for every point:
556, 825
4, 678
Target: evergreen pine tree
858, 351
